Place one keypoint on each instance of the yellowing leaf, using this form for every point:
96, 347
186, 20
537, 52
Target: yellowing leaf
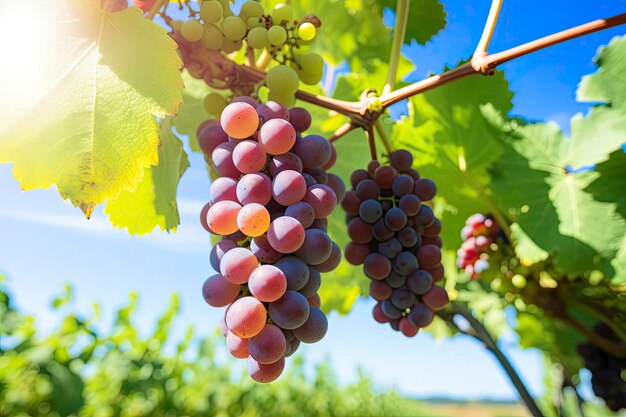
153, 203
89, 125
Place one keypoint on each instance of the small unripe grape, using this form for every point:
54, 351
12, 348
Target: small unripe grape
282, 12
214, 103
251, 9
307, 31
234, 28
213, 37
192, 30
277, 35
282, 80
211, 11
257, 38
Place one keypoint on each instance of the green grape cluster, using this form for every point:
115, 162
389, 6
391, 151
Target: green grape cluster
275, 34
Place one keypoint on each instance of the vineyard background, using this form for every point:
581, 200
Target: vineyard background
47, 242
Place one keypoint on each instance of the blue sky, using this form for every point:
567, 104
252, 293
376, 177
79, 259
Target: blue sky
46, 242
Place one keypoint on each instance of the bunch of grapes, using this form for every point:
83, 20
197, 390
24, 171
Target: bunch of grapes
480, 235
278, 34
607, 371
396, 239
270, 204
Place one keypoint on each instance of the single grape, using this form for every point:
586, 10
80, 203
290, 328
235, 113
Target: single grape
425, 189
286, 234
367, 189
321, 224
295, 270
307, 31
360, 231
395, 219
303, 212
313, 284
314, 151
356, 253
237, 264
405, 263
390, 248
223, 188
315, 301
402, 298
222, 217
246, 317
217, 292
222, 160
319, 175
265, 373
257, 38
272, 110
390, 310
395, 281
284, 98
333, 158
213, 38
421, 315
254, 188
268, 346
263, 251
407, 328
435, 229
234, 28
384, 176
437, 272
332, 262
207, 123
210, 137
214, 103
337, 185
376, 266
351, 203
239, 120
381, 232
251, 9
218, 250
229, 46
282, 13
402, 185
290, 311
419, 281
436, 299
378, 314
429, 256
425, 218
300, 118
370, 211
322, 198
249, 156
237, 346
192, 30
401, 160
410, 204
253, 219
357, 176
284, 162
211, 11
408, 237
288, 187
281, 79
314, 328
316, 248
380, 290
267, 283
277, 136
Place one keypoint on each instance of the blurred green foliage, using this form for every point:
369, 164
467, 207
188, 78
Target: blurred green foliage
77, 370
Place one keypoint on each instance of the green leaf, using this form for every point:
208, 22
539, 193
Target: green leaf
89, 125
608, 84
609, 186
454, 141
426, 19
191, 112
153, 202
553, 212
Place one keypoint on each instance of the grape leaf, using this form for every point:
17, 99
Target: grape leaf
153, 202
454, 142
191, 111
550, 204
608, 84
89, 128
426, 19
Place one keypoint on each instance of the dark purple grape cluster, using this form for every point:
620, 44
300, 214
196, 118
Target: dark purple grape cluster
270, 204
607, 371
396, 239
479, 235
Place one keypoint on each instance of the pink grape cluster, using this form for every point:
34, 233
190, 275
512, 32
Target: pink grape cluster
270, 204
479, 235
396, 239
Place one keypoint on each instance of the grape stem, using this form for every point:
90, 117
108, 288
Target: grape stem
342, 131
480, 333
399, 33
490, 25
155, 8
384, 138
371, 141
250, 58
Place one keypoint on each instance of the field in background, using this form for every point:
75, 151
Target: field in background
445, 408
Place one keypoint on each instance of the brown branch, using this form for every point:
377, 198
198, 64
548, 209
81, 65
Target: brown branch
488, 63
342, 131
371, 141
